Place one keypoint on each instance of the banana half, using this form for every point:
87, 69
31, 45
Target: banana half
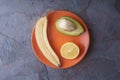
43, 43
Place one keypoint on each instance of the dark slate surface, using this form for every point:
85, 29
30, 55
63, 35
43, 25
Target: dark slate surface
17, 60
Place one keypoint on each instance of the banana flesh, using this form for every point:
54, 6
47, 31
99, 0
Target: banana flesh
43, 43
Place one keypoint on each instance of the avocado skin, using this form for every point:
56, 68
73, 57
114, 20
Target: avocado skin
79, 29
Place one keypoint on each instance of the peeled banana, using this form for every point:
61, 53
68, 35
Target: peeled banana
43, 43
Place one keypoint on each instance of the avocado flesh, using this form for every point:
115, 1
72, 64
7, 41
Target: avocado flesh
78, 30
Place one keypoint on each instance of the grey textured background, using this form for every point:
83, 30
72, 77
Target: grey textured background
17, 60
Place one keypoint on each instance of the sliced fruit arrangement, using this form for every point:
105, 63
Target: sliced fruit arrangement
43, 43
69, 50
69, 26
60, 39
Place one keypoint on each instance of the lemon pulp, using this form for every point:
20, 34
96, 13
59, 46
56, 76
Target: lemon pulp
69, 50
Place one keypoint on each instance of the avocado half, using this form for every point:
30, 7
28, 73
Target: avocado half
78, 30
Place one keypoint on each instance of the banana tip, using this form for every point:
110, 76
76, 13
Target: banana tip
59, 65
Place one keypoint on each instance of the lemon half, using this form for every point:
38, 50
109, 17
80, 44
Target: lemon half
69, 50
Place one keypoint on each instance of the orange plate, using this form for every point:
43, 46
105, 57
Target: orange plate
57, 39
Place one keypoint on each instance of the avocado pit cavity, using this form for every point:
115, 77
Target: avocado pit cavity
67, 25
